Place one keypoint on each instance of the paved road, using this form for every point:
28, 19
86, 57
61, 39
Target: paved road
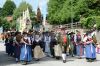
9, 61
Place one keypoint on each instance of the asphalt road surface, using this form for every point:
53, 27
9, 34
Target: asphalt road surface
6, 60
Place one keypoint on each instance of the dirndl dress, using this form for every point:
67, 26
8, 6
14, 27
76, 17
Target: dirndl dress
25, 54
80, 50
90, 51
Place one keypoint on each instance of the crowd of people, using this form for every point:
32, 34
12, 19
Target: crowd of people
26, 46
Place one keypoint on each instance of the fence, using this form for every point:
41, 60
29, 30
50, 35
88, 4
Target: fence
75, 25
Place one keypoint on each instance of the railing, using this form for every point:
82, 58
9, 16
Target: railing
69, 26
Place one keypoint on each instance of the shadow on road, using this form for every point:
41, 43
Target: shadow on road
5, 59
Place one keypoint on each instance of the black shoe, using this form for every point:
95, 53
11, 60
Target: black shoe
58, 58
37, 59
64, 61
79, 57
89, 60
17, 61
72, 55
25, 63
53, 56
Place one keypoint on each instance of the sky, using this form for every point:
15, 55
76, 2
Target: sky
33, 3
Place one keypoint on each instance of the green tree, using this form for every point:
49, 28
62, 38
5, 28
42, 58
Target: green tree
22, 7
5, 24
98, 22
0, 10
0, 21
62, 11
8, 8
89, 22
54, 7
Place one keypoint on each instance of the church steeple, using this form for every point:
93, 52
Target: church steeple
39, 18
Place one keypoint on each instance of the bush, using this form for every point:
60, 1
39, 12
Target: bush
89, 22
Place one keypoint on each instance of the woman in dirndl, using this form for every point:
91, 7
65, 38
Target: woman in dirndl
47, 40
57, 47
38, 51
7, 36
17, 38
79, 46
25, 55
89, 48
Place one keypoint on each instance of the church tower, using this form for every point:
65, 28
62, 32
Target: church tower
39, 16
